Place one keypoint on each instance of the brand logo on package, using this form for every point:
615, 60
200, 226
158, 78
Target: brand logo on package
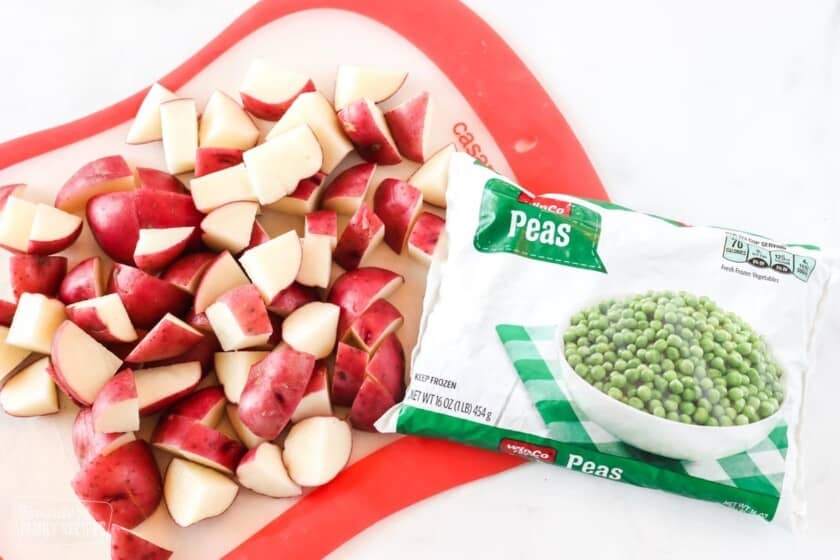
540, 228
528, 450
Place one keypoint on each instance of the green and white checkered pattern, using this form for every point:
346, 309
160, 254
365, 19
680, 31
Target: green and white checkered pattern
534, 353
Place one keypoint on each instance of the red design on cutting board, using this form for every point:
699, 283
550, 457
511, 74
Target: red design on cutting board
540, 148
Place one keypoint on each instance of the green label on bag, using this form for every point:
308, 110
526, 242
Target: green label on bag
539, 228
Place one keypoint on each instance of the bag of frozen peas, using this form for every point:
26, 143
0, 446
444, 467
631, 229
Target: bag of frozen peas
617, 344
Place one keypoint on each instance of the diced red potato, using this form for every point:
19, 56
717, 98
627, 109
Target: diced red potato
127, 545
245, 435
432, 178
356, 290
161, 386
323, 223
194, 492
317, 449
347, 191
179, 128
356, 82
112, 218
230, 227
301, 201
7, 312
192, 440
388, 366
146, 125
16, 190
274, 389
201, 353
81, 366
291, 298
348, 374
373, 326
315, 111
274, 265
424, 237
371, 402
38, 229
239, 318
170, 337
268, 90
11, 357
198, 321
157, 180
258, 236
365, 125
30, 392
89, 444
312, 328
117, 408
83, 281
410, 126
316, 262
161, 209
158, 248
122, 487
36, 274
262, 471
398, 205
146, 298
104, 175
316, 397
225, 124
232, 369
209, 159
206, 406
216, 189
363, 233
221, 275
186, 272
276, 167
36, 320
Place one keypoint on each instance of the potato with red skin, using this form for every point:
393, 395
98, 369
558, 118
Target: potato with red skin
410, 125
88, 444
6, 191
112, 218
363, 233
36, 274
346, 192
170, 337
239, 318
323, 223
7, 312
146, 298
365, 125
80, 365
197, 321
117, 408
105, 175
104, 318
186, 272
304, 199
424, 237
371, 402
316, 396
388, 366
348, 374
258, 236
293, 297
161, 385
356, 290
202, 353
157, 180
211, 159
161, 209
274, 389
84, 281
221, 275
206, 406
268, 90
126, 545
398, 205
192, 440
123, 487
373, 326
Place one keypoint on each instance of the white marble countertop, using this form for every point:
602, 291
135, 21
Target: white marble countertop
708, 112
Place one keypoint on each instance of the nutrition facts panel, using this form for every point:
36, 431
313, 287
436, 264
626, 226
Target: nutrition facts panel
762, 253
